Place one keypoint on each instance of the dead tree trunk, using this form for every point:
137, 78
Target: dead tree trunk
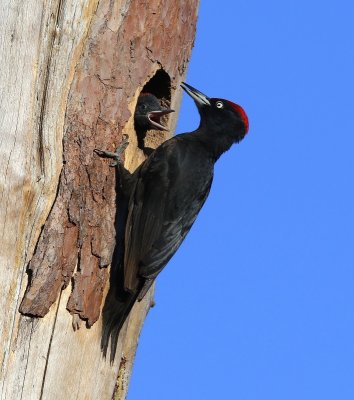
70, 76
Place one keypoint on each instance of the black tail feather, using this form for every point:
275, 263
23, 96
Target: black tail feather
118, 302
115, 311
117, 306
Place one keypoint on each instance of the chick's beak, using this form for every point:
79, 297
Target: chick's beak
155, 117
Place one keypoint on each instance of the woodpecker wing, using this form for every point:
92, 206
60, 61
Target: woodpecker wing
168, 194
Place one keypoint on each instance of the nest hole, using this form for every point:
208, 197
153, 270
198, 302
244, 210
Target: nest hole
160, 86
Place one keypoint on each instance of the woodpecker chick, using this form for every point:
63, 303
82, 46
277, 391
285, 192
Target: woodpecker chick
147, 116
148, 113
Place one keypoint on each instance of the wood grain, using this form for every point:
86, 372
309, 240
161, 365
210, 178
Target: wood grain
70, 78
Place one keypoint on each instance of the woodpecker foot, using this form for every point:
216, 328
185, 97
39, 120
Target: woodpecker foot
117, 154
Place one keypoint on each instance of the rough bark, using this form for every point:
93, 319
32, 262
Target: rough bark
71, 73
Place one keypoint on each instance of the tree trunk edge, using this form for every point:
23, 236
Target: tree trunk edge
81, 92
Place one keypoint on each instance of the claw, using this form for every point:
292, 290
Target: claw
117, 154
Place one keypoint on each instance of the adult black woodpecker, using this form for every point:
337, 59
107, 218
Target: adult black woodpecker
148, 113
168, 190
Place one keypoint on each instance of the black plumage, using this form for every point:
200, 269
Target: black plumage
169, 189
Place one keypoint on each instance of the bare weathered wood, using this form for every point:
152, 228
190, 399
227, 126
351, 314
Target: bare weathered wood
70, 75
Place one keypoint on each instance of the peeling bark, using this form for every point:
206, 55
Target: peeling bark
72, 74
117, 61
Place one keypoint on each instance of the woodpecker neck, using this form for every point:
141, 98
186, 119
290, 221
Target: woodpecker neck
218, 131
215, 141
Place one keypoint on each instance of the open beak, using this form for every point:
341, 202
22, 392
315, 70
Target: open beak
155, 117
197, 96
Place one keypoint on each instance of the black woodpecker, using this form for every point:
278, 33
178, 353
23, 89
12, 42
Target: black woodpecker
168, 190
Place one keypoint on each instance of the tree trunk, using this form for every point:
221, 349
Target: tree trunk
70, 76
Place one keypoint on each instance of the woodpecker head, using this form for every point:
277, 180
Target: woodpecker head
148, 113
219, 115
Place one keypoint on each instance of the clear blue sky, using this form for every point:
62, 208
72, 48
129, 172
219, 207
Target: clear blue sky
258, 303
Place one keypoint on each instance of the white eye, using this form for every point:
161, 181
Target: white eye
219, 104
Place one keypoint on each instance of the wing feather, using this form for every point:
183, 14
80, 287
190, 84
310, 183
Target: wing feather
160, 213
